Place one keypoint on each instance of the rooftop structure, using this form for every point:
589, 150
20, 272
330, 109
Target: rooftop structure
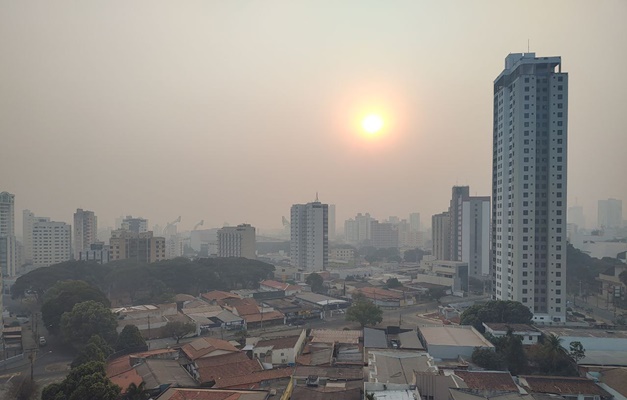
335, 336
451, 342
387, 366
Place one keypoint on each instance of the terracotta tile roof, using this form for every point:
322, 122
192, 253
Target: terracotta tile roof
219, 373
274, 284
221, 359
333, 373
371, 292
120, 372
212, 394
124, 379
242, 306
488, 380
307, 393
279, 343
202, 347
562, 385
118, 365
616, 378
219, 295
253, 379
335, 336
268, 316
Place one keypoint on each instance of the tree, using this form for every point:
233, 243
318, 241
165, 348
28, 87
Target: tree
496, 311
551, 358
316, 282
241, 336
88, 381
178, 330
577, 352
96, 350
63, 296
130, 338
510, 349
414, 255
87, 319
488, 359
364, 311
393, 283
135, 392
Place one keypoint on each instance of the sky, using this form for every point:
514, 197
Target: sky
230, 112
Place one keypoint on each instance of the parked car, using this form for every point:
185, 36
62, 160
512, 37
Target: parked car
42, 341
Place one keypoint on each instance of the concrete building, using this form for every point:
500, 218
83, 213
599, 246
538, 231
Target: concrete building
137, 225
52, 242
459, 194
384, 235
332, 225
610, 213
414, 222
85, 231
277, 351
28, 220
529, 172
309, 241
342, 254
358, 229
97, 252
528, 334
440, 228
10, 257
7, 214
142, 247
443, 272
237, 241
474, 245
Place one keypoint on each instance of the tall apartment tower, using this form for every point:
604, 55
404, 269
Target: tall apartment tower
137, 225
610, 213
309, 239
440, 229
332, 222
459, 194
85, 231
237, 241
52, 242
10, 255
414, 222
529, 170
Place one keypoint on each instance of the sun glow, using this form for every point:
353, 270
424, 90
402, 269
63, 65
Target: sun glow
372, 124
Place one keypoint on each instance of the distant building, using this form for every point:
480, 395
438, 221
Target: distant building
85, 231
384, 235
52, 242
414, 222
575, 216
7, 214
332, 222
237, 241
610, 213
459, 194
10, 257
137, 225
97, 252
359, 229
309, 244
342, 254
142, 247
440, 228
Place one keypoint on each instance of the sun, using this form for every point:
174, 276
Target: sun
372, 124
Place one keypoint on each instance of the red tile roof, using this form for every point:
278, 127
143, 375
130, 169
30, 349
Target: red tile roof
219, 373
219, 295
120, 372
488, 380
221, 359
379, 293
274, 284
267, 316
242, 307
279, 343
204, 346
563, 385
212, 394
252, 380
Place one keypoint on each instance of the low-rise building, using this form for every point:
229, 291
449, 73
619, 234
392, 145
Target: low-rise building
397, 366
451, 341
383, 297
603, 346
269, 285
146, 317
568, 387
277, 351
528, 333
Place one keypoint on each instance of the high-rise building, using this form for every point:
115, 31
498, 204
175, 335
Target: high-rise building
440, 229
98, 252
331, 221
10, 257
610, 213
237, 241
575, 216
529, 185
384, 235
359, 229
309, 244
137, 225
459, 194
7, 214
28, 221
85, 231
142, 247
414, 222
52, 242
474, 241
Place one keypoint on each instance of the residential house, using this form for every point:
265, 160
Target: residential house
568, 387
269, 285
277, 351
529, 334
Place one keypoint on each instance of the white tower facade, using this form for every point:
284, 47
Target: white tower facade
309, 239
85, 231
530, 140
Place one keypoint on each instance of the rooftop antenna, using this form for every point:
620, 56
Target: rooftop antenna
317, 197
528, 51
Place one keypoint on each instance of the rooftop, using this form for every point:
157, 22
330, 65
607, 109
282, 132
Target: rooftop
562, 385
452, 335
335, 336
319, 299
380, 293
157, 372
503, 327
213, 394
332, 373
584, 332
253, 379
375, 338
204, 346
326, 393
409, 341
236, 368
279, 343
219, 295
488, 380
397, 366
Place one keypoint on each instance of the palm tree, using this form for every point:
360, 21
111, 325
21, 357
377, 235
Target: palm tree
370, 396
554, 350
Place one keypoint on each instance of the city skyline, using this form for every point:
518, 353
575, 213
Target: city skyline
190, 92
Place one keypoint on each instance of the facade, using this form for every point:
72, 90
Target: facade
474, 245
7, 214
142, 247
414, 222
358, 229
529, 194
309, 240
137, 225
52, 242
440, 229
331, 221
343, 254
459, 194
237, 241
85, 231
98, 252
28, 220
10, 257
384, 235
610, 213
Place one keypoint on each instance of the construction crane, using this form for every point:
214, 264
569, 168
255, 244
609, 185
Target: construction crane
169, 226
198, 224
286, 223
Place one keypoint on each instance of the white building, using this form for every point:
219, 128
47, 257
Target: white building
85, 231
237, 241
137, 225
474, 248
10, 258
309, 244
52, 242
610, 213
358, 229
331, 221
529, 194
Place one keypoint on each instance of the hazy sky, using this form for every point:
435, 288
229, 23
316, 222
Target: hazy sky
234, 110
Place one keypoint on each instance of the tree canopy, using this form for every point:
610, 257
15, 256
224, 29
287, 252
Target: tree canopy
139, 283
178, 330
364, 311
551, 358
87, 319
316, 282
87, 381
393, 283
63, 296
511, 312
130, 338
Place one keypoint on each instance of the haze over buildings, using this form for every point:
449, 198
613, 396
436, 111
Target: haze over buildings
173, 92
